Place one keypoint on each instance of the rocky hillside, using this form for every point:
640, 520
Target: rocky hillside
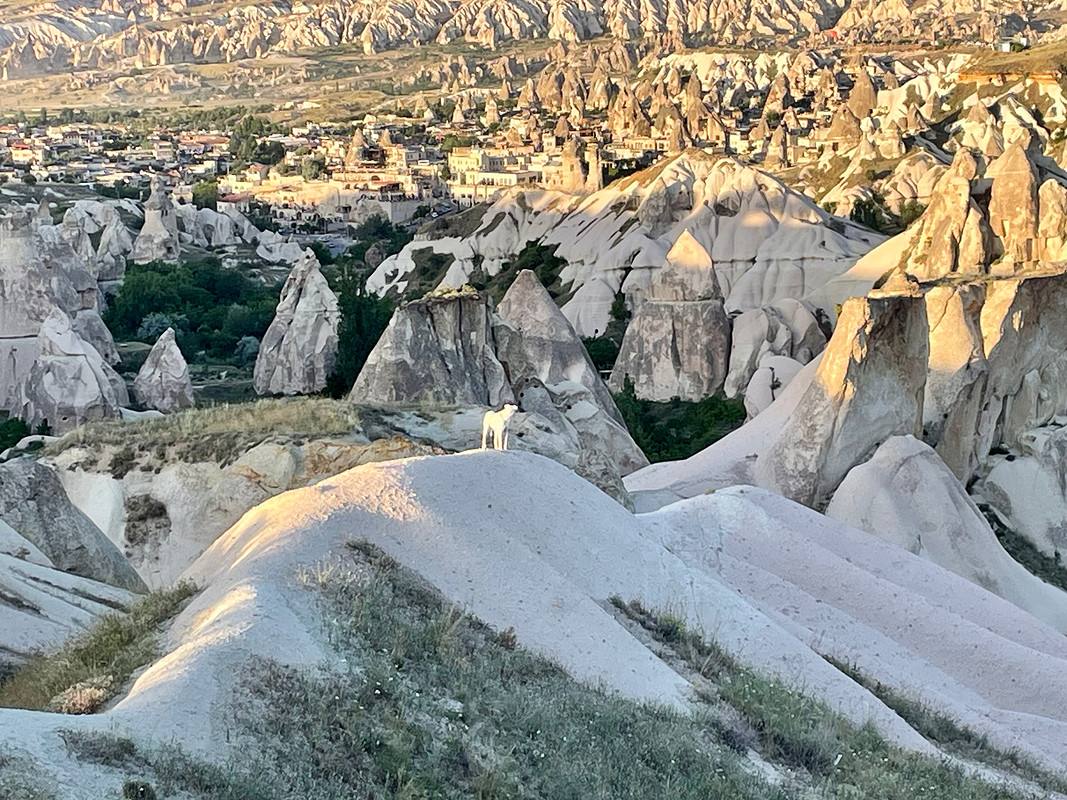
44, 38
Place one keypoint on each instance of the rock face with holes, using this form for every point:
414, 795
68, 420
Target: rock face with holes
34, 505
163, 381
70, 383
299, 349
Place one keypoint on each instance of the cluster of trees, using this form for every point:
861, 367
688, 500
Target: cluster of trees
677, 429
211, 308
245, 144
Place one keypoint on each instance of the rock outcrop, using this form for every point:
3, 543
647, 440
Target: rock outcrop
868, 387
163, 381
453, 356
906, 495
437, 351
678, 342
70, 383
158, 239
34, 505
299, 349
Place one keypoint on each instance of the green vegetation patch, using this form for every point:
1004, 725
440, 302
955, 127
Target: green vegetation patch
92, 668
211, 307
839, 758
676, 429
1050, 569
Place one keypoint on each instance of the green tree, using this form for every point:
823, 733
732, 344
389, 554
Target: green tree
206, 194
312, 167
363, 318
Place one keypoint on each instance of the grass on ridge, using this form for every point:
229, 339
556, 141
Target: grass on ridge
106, 655
296, 416
843, 760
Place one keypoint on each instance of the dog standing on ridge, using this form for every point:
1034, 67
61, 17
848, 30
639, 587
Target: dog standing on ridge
496, 422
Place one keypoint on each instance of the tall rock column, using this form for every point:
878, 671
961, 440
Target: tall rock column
299, 349
868, 387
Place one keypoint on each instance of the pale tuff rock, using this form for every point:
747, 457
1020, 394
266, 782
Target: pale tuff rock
678, 342
45, 606
768, 382
205, 227
766, 241
1013, 204
906, 495
299, 349
158, 239
70, 383
953, 234
183, 506
1026, 489
33, 504
451, 353
89, 325
163, 381
868, 387
785, 328
439, 350
552, 352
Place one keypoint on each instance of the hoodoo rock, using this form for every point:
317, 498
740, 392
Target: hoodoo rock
158, 239
439, 350
163, 381
299, 349
868, 387
678, 342
551, 350
70, 383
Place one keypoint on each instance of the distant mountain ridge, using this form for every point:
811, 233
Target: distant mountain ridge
48, 37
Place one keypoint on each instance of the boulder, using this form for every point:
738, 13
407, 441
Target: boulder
868, 387
299, 349
33, 503
439, 350
907, 496
163, 381
70, 383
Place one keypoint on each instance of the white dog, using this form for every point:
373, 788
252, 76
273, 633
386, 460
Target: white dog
496, 422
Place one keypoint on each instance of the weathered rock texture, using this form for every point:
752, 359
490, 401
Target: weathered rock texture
33, 503
69, 383
678, 342
163, 381
450, 353
158, 239
868, 387
440, 350
299, 349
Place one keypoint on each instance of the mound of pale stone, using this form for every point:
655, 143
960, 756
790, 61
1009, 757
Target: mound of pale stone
163, 381
70, 383
299, 349
767, 242
779, 586
44, 606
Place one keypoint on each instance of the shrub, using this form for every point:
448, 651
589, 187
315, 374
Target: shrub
12, 431
246, 351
